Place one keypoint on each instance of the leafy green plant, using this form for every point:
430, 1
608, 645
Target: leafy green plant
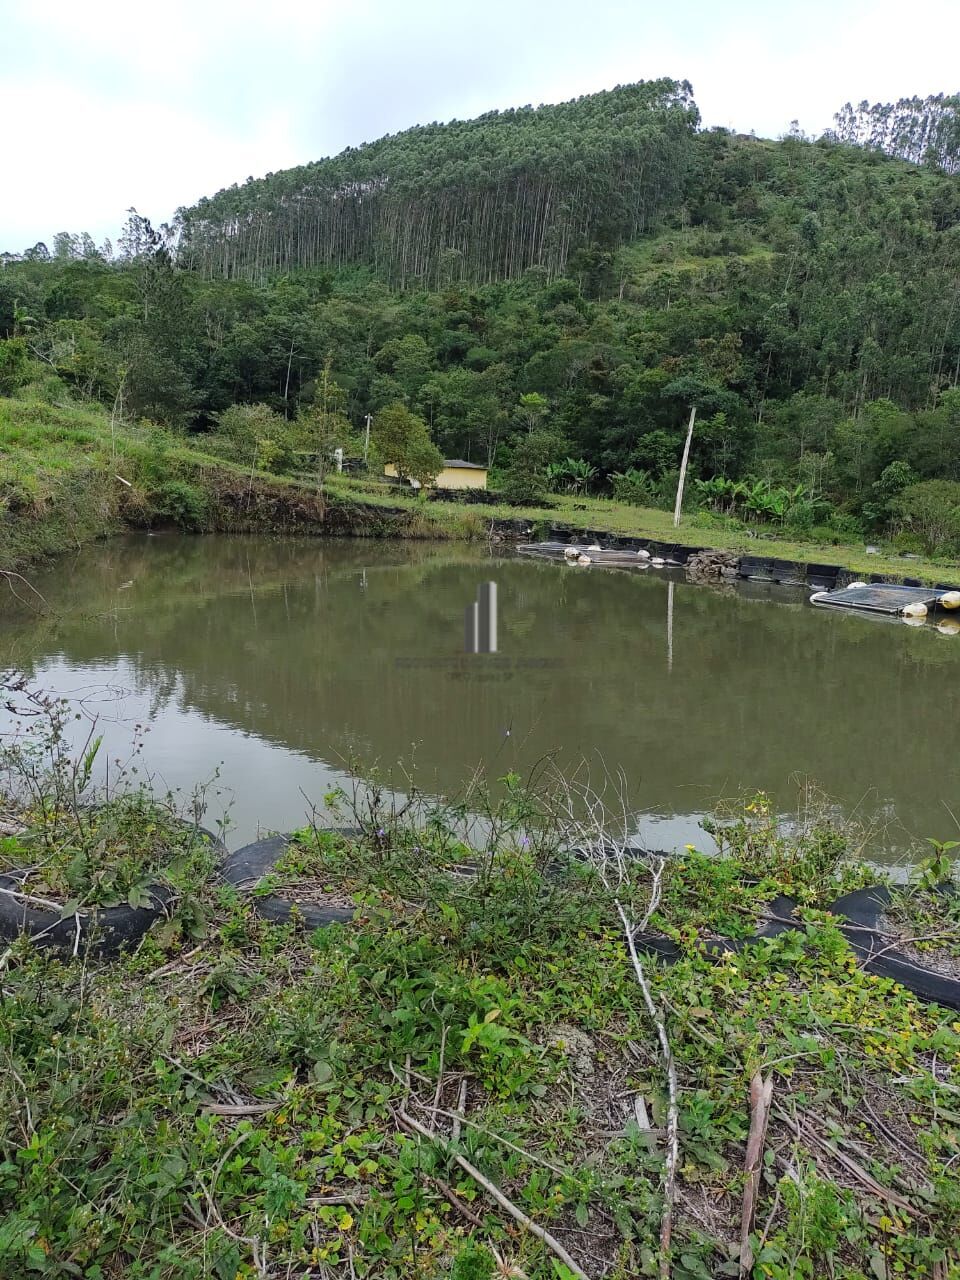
634, 486
813, 858
931, 871
184, 503
266, 1075
931, 511
83, 845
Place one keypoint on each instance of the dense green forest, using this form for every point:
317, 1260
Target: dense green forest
560, 283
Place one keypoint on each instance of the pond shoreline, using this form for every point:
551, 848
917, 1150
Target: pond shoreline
77, 481
271, 508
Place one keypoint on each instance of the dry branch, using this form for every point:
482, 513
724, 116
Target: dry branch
552, 1243
761, 1095
243, 1109
670, 1068
853, 1167
460, 1112
456, 1201
614, 862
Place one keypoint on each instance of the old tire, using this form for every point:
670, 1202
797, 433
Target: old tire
104, 931
247, 866
862, 909
780, 907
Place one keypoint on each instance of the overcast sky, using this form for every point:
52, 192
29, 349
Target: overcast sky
108, 104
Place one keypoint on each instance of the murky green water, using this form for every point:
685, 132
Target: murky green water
278, 663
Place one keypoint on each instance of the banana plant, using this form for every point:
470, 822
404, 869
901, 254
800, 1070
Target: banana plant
555, 474
579, 473
719, 492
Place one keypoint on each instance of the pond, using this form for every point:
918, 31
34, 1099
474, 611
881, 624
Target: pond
272, 667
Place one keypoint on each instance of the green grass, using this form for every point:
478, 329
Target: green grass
618, 518
239, 1105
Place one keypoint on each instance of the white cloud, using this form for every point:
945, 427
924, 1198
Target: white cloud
117, 105
100, 159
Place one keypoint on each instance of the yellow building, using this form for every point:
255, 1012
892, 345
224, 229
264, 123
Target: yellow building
456, 474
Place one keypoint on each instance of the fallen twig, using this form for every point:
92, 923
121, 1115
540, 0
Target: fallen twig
459, 1113
489, 1133
32, 899
610, 859
642, 1118
552, 1243
761, 1095
244, 1109
459, 1204
352, 1201
866, 1180
172, 964
439, 1089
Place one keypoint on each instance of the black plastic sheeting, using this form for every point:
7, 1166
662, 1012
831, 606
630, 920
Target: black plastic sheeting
863, 909
780, 920
860, 913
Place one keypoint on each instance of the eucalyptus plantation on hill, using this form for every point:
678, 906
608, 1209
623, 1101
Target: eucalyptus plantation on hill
477, 200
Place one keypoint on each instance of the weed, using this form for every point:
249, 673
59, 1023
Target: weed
235, 1108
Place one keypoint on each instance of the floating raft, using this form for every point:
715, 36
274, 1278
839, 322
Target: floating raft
887, 598
563, 551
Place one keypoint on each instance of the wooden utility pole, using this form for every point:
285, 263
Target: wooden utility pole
683, 468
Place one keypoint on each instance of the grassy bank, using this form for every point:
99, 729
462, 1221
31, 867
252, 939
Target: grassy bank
467, 1079
68, 476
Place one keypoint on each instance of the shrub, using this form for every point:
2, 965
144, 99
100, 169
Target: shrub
634, 486
14, 365
255, 433
526, 478
403, 440
184, 503
931, 511
846, 526
45, 388
893, 480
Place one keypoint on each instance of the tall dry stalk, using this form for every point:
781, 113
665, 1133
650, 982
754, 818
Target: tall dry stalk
601, 835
